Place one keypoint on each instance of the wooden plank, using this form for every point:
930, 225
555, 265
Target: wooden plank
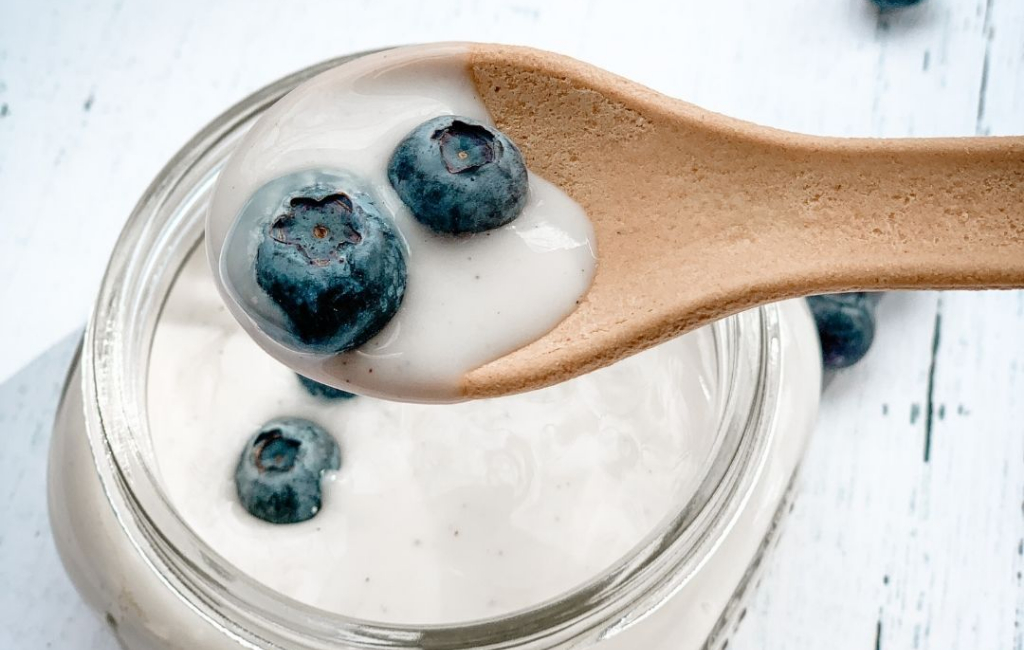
886, 549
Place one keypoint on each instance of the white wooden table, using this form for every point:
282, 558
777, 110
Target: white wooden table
908, 528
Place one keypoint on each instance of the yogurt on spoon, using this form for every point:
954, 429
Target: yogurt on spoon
468, 297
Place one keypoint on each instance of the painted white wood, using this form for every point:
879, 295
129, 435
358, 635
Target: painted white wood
882, 550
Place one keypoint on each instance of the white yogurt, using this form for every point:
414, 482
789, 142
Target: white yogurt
197, 428
439, 513
469, 300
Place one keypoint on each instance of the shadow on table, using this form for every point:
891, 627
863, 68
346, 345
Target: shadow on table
39, 607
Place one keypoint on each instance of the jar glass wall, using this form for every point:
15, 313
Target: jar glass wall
160, 586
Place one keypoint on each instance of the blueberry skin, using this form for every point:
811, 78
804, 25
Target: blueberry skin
846, 326
895, 4
459, 176
316, 389
278, 474
334, 266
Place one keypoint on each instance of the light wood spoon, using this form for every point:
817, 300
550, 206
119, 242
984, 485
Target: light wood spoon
699, 216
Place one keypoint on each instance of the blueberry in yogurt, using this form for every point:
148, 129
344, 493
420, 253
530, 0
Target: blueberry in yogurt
894, 4
323, 391
846, 326
279, 472
458, 175
334, 266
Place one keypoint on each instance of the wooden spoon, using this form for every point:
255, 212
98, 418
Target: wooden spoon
699, 216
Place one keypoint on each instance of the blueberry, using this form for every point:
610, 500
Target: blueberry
316, 389
895, 4
459, 176
846, 326
278, 475
333, 265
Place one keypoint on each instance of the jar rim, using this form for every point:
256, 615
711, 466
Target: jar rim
121, 328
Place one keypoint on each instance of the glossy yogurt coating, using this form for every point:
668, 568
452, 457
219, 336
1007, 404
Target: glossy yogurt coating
468, 299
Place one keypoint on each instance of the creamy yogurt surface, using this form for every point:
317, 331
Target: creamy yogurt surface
438, 513
469, 299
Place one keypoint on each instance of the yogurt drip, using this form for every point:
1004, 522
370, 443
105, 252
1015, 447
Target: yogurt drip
469, 300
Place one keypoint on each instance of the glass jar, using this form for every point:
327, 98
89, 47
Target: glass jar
160, 587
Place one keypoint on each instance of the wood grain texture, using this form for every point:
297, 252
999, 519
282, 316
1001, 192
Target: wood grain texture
95, 96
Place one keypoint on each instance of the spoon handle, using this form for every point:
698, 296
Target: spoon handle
698, 216
898, 214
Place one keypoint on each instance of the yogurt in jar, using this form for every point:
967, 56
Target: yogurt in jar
492, 505
438, 514
469, 299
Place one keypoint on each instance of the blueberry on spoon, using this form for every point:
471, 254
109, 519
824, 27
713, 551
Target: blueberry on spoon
334, 266
458, 175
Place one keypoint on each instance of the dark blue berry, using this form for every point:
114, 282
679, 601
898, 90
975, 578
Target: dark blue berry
278, 475
846, 326
333, 265
316, 389
895, 4
459, 176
